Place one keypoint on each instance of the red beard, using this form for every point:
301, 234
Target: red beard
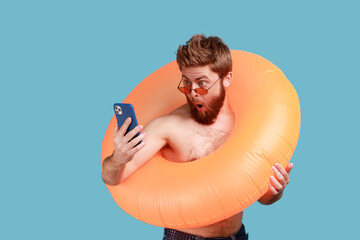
208, 116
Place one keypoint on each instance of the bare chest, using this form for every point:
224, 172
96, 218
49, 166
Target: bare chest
184, 146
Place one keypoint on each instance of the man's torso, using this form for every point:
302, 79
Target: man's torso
188, 141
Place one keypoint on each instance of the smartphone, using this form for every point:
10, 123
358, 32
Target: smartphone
122, 112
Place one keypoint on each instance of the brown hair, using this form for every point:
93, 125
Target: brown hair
201, 50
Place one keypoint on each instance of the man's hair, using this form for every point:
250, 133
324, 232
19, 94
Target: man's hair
201, 50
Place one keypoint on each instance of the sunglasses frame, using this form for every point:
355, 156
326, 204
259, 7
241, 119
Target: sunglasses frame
195, 89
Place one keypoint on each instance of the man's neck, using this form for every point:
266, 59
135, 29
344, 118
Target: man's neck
225, 119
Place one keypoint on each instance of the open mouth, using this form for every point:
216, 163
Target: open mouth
200, 107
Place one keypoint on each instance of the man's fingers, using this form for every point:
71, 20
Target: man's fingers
275, 183
137, 148
130, 135
283, 172
116, 127
272, 189
279, 176
279, 183
136, 140
289, 167
125, 126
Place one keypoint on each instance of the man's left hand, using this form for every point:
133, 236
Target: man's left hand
281, 178
277, 184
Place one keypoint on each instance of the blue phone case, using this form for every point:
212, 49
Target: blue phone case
122, 112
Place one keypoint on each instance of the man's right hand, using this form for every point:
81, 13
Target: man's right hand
125, 145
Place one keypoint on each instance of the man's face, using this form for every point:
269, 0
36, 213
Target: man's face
204, 108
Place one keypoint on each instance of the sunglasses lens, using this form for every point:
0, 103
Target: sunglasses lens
201, 91
184, 90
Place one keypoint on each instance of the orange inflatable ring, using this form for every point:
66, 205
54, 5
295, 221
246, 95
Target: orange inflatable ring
208, 190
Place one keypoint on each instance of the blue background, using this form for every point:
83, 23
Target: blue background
64, 63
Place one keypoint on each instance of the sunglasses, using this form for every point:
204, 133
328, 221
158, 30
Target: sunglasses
200, 91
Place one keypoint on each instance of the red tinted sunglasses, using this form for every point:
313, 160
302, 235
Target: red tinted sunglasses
201, 91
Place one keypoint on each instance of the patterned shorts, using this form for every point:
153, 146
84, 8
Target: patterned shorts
171, 234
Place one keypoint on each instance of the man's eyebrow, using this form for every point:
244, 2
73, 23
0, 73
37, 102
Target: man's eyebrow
201, 77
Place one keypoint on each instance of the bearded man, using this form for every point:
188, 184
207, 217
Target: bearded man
206, 122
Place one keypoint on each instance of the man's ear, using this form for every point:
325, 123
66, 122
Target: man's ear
227, 79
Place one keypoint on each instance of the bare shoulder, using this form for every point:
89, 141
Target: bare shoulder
182, 113
166, 123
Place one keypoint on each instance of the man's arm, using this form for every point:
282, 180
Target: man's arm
127, 157
277, 185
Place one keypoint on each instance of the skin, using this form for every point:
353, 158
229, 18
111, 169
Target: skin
175, 144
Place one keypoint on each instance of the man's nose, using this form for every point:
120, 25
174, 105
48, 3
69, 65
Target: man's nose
193, 93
